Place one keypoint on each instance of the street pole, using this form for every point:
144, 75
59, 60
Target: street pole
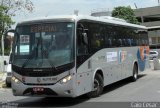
2, 44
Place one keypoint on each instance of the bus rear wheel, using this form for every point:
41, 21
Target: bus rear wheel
135, 73
98, 87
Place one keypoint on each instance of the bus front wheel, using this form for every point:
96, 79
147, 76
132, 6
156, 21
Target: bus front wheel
98, 86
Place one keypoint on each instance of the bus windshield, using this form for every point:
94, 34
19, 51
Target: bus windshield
43, 45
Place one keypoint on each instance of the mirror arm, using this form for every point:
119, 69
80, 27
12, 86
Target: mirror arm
12, 30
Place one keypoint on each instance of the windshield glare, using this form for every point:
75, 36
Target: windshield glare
43, 45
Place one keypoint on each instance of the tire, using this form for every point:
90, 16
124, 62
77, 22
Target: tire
135, 74
98, 87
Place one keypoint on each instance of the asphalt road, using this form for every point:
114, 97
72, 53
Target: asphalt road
145, 89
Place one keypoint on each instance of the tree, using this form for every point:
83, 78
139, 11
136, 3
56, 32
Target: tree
8, 9
16, 5
5, 23
5, 20
125, 13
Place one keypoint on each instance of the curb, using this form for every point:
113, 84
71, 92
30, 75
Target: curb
2, 84
2, 75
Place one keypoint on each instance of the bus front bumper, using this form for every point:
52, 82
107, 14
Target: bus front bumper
56, 90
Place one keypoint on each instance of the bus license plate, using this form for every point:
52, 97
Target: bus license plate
38, 89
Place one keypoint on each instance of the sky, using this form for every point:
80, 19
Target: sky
85, 7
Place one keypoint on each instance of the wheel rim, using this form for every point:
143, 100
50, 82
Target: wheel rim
135, 75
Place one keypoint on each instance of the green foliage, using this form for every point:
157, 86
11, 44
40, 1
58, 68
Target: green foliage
5, 20
6, 51
8, 9
125, 13
17, 6
5, 23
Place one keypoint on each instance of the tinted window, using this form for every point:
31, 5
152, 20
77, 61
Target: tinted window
103, 35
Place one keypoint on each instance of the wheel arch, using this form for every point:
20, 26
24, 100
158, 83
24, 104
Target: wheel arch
97, 71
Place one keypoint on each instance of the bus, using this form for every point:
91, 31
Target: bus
68, 56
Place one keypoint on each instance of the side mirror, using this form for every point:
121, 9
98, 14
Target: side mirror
5, 62
85, 38
9, 33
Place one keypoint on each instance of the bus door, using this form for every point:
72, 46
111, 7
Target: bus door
83, 60
123, 62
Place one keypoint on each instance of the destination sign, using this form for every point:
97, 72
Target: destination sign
43, 28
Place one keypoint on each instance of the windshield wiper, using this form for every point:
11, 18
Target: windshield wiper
43, 53
29, 58
50, 62
35, 49
52, 65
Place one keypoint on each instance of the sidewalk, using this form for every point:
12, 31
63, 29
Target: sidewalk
2, 79
3, 74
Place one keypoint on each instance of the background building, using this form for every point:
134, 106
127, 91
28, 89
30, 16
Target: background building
150, 17
100, 12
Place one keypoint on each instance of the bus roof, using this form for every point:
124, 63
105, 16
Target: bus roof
110, 20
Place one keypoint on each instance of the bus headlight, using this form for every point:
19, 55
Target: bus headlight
15, 80
66, 79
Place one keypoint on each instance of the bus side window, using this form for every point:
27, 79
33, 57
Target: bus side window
82, 48
134, 42
108, 43
114, 42
129, 42
119, 43
124, 42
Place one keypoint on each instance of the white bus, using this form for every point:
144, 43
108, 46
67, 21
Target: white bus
69, 56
